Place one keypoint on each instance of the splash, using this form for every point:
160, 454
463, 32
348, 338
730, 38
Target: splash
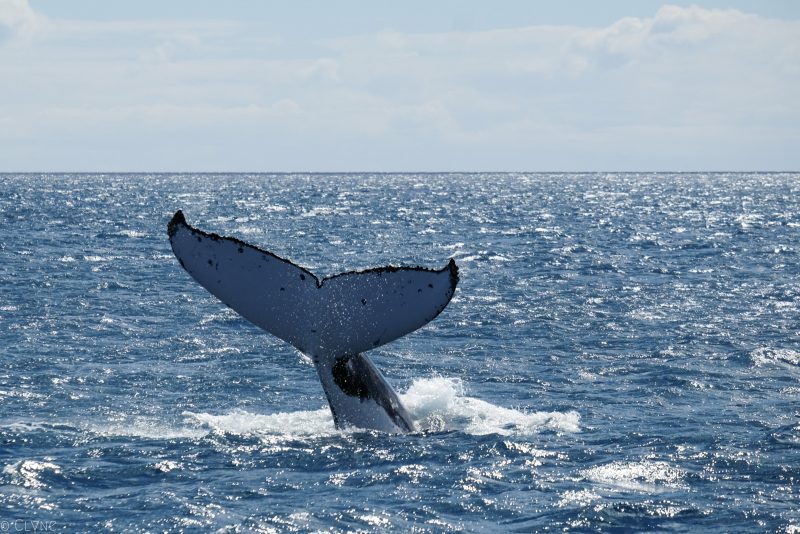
436, 405
441, 404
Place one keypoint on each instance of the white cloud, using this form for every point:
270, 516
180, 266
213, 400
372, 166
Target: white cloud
16, 16
688, 87
681, 66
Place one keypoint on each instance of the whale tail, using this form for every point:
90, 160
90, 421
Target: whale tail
333, 320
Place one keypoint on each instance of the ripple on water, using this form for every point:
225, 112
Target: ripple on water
621, 354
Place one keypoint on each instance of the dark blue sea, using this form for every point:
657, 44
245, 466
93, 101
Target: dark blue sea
622, 354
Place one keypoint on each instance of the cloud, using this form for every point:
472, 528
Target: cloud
688, 87
17, 17
682, 67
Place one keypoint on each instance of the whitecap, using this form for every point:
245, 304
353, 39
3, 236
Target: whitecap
500, 258
768, 355
21, 394
274, 208
643, 476
577, 498
133, 234
165, 466
25, 427
748, 220
97, 259
467, 259
250, 230
317, 211
27, 473
377, 521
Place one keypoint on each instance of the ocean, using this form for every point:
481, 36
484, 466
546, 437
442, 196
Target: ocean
622, 354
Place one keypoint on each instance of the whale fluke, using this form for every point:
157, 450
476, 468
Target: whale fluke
333, 320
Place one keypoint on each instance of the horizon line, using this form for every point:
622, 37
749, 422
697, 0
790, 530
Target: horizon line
699, 171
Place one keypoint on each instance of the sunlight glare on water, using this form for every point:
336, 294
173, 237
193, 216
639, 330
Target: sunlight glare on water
621, 355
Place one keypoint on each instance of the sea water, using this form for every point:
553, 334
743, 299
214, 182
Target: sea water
622, 353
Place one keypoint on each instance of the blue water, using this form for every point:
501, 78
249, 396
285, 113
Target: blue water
622, 353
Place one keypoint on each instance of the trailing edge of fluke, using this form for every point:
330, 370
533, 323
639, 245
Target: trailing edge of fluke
332, 320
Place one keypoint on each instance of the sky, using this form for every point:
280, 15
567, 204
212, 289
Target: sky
319, 86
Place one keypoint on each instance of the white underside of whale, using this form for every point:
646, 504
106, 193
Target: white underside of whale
332, 320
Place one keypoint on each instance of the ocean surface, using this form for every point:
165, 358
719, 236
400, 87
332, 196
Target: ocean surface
622, 354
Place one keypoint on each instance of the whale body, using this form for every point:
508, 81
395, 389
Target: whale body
332, 320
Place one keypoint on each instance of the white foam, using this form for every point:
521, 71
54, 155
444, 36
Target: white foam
748, 220
287, 424
165, 466
274, 208
25, 427
577, 498
468, 259
316, 211
250, 230
644, 476
21, 394
436, 405
27, 473
133, 234
768, 355
440, 403
375, 520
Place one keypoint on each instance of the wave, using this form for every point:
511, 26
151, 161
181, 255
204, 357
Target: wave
148, 429
28, 473
642, 476
763, 356
288, 424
